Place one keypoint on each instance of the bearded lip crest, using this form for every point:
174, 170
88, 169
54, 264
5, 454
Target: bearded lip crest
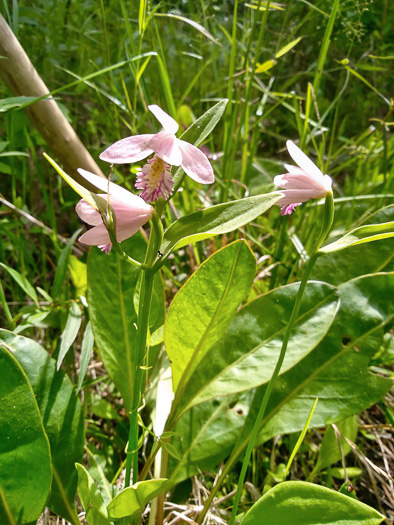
155, 180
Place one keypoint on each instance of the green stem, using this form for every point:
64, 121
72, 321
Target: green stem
148, 275
327, 223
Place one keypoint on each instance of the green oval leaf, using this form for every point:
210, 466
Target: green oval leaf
205, 305
62, 416
300, 502
206, 434
340, 266
25, 463
246, 355
363, 234
132, 501
367, 305
216, 220
199, 131
91, 498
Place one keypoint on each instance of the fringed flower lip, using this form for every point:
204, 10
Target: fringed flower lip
165, 145
131, 212
302, 182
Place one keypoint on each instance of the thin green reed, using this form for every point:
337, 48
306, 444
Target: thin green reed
325, 45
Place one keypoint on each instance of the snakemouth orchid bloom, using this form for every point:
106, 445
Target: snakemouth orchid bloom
154, 178
131, 212
302, 182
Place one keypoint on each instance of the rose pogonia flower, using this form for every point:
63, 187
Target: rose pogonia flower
131, 212
154, 178
302, 182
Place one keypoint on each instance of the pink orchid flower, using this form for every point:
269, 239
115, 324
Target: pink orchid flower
154, 178
301, 183
131, 213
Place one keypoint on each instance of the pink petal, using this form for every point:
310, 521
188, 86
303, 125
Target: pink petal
119, 196
296, 196
132, 206
303, 161
124, 229
294, 170
298, 182
168, 123
88, 214
95, 236
166, 147
195, 163
128, 150
127, 229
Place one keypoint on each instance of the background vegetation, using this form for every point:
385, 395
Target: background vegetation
294, 71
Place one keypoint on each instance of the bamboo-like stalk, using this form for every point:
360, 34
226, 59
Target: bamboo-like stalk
22, 79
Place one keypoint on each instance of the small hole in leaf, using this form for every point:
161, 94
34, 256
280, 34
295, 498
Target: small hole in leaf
346, 340
239, 411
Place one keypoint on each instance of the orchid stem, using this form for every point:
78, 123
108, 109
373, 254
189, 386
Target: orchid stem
327, 223
148, 276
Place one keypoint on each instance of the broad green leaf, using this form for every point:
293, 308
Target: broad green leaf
329, 450
15, 102
111, 286
200, 129
363, 234
91, 498
367, 305
62, 416
288, 47
22, 282
341, 266
204, 307
294, 502
216, 220
86, 353
246, 355
132, 501
70, 332
204, 125
206, 434
61, 269
25, 461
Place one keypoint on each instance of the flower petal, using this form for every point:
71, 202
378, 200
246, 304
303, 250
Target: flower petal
128, 150
168, 123
88, 214
95, 236
296, 196
303, 161
124, 229
120, 196
195, 163
167, 148
301, 181
294, 170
